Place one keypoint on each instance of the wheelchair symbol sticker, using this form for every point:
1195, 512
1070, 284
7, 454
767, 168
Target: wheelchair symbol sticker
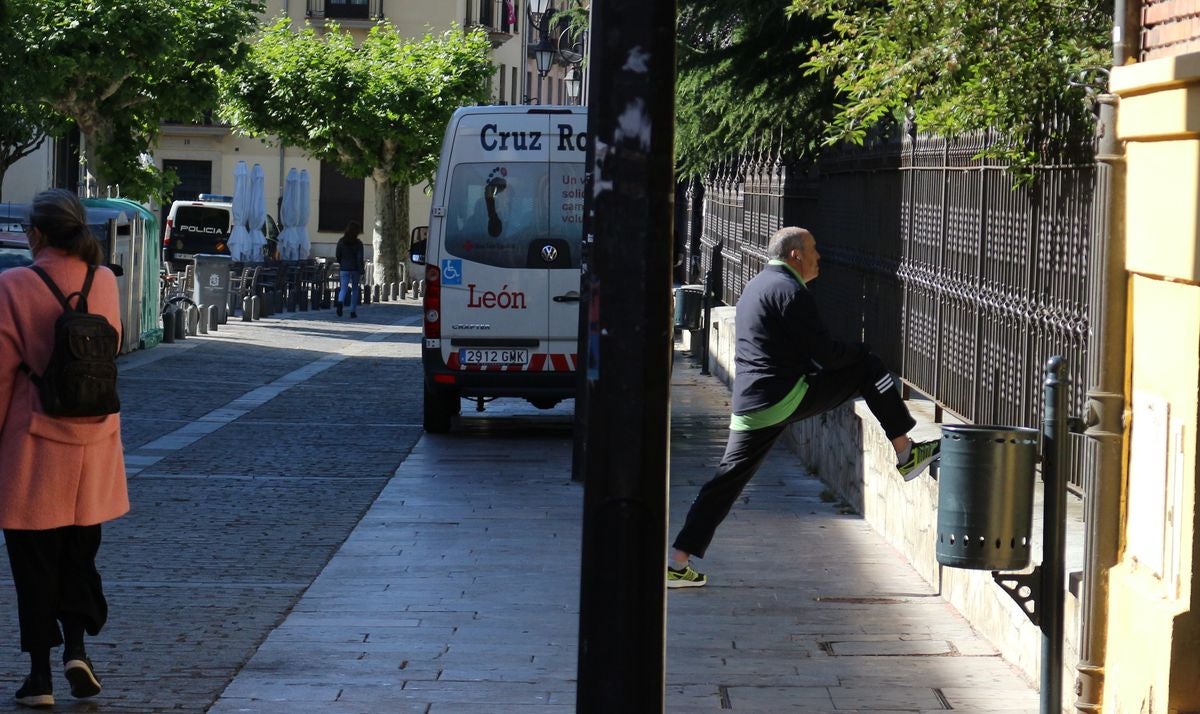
452, 272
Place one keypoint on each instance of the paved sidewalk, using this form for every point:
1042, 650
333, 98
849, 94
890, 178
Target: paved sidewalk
458, 592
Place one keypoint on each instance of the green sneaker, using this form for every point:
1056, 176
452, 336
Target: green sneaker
923, 454
689, 577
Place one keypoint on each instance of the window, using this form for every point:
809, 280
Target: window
348, 9
514, 89
500, 94
498, 215
341, 199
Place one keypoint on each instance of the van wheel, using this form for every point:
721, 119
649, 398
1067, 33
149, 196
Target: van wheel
439, 409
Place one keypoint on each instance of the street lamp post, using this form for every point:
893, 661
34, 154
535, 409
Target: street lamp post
536, 12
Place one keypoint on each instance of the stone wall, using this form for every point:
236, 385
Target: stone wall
849, 452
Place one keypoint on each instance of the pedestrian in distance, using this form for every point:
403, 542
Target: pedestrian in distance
61, 477
352, 263
788, 368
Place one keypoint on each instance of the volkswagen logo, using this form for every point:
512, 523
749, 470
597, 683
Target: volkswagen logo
549, 253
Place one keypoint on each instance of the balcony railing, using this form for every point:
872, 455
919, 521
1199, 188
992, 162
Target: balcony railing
497, 17
345, 9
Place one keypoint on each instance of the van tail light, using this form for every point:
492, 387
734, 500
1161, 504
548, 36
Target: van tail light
433, 302
167, 234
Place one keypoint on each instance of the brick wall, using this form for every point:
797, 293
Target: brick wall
1170, 27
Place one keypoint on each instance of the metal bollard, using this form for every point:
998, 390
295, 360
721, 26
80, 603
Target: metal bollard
419, 289
403, 291
256, 307
213, 318
395, 291
375, 293
202, 313
168, 320
247, 308
193, 320
181, 324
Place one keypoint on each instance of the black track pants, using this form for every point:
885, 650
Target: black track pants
745, 450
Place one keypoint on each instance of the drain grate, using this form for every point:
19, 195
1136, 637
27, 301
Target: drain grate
860, 600
942, 699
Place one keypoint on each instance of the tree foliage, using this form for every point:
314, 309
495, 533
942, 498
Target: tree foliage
376, 108
955, 66
25, 123
740, 85
119, 68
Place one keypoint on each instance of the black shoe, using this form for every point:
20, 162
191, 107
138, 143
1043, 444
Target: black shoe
35, 692
354, 314
81, 676
339, 309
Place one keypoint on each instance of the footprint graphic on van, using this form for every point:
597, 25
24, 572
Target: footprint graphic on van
495, 184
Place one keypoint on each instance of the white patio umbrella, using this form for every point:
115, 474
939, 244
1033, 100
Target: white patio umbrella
290, 235
239, 238
256, 218
302, 223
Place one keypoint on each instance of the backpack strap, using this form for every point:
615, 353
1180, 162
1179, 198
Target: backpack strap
50, 284
81, 304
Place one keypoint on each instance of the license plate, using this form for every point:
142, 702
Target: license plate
493, 356
183, 256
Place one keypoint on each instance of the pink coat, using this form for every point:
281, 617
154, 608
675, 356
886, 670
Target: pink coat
53, 471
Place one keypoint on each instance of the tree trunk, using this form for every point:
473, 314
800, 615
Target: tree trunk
389, 237
94, 178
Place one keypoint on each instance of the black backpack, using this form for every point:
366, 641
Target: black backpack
81, 379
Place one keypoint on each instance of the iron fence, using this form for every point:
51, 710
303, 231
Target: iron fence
959, 276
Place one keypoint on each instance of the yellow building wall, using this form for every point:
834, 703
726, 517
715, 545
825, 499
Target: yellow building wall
1153, 652
413, 18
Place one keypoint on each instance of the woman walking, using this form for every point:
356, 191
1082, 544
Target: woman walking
351, 262
61, 477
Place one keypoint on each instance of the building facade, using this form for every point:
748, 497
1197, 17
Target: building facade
204, 154
1152, 663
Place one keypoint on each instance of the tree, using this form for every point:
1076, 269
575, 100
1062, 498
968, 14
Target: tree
955, 66
377, 109
24, 128
740, 85
119, 68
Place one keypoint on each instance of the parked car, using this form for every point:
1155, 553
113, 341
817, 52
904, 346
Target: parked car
203, 225
14, 247
14, 244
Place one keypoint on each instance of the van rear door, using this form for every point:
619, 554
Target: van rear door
568, 145
494, 279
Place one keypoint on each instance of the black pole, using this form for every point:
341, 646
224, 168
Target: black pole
706, 325
622, 613
1054, 473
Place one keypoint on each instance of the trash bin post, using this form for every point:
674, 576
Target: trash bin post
706, 322
985, 494
1054, 471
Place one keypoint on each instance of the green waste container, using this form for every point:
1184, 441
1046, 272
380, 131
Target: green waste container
985, 496
688, 301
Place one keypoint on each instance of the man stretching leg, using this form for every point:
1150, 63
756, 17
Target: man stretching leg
788, 369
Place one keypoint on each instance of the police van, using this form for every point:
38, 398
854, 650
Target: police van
502, 259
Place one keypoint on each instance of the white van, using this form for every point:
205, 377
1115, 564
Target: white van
502, 259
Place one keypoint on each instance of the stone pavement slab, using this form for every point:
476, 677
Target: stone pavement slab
252, 453
458, 592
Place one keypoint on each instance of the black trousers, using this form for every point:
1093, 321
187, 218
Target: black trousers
745, 450
57, 581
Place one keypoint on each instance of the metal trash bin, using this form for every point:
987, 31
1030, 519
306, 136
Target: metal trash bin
985, 497
211, 286
688, 301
